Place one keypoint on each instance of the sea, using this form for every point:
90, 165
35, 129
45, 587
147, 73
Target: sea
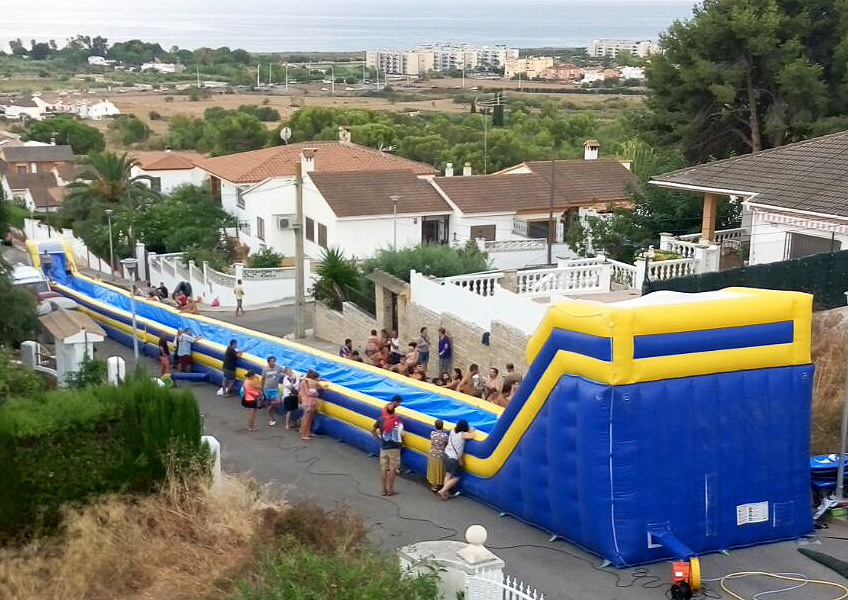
340, 25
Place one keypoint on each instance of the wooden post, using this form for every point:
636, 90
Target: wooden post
708, 224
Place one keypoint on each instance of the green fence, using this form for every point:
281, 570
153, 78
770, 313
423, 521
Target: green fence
825, 276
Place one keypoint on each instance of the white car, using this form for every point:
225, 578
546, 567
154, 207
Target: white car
31, 278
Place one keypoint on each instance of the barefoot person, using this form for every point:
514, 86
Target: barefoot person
228, 367
271, 377
453, 456
309, 398
389, 430
164, 356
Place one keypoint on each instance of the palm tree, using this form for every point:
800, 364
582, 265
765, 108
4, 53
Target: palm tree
337, 275
108, 183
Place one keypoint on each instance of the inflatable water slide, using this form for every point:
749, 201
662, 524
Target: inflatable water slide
662, 427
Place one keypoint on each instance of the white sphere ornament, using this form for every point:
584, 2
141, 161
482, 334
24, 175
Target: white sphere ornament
476, 535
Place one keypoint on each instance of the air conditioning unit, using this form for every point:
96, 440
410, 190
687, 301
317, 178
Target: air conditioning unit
284, 222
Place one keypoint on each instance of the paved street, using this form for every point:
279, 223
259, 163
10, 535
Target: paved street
328, 472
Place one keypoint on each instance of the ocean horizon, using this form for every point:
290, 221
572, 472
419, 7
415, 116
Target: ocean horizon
341, 26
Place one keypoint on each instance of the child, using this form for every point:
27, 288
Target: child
436, 456
250, 392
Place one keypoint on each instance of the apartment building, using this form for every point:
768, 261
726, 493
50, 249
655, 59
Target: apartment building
528, 66
438, 57
612, 48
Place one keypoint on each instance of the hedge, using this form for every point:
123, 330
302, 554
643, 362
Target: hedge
825, 276
67, 445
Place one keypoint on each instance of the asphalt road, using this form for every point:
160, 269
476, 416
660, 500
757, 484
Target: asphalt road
328, 472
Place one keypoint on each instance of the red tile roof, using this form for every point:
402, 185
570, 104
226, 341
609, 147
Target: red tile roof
259, 165
363, 193
166, 160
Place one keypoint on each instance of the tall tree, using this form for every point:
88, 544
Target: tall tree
743, 75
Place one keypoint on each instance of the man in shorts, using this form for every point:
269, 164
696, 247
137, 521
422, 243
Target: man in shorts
272, 375
228, 367
389, 430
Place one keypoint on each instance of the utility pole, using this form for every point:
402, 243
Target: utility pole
332, 80
269, 72
551, 227
299, 316
287, 77
394, 200
257, 74
197, 71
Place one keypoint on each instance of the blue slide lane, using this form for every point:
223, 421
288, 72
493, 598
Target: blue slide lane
339, 371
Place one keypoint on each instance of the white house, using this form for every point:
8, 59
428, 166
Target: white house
38, 191
100, 61
98, 110
514, 203
633, 72
258, 188
168, 170
32, 107
793, 197
160, 66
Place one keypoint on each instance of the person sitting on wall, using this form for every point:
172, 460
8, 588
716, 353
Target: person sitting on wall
184, 288
162, 291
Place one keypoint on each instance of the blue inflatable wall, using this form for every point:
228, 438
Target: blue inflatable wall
673, 425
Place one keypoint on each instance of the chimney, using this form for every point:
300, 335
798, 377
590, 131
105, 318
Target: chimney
344, 134
466, 169
449, 170
590, 149
307, 159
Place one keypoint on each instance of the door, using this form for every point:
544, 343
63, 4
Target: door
430, 231
799, 244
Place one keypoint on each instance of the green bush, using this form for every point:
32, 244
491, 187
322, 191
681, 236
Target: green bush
15, 380
266, 258
68, 445
439, 260
303, 574
92, 371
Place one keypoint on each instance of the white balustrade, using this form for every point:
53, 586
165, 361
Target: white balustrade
669, 269
623, 274
497, 586
483, 283
543, 282
515, 245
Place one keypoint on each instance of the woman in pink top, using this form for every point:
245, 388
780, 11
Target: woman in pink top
309, 388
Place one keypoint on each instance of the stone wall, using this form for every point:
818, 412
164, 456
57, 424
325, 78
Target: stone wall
335, 326
506, 344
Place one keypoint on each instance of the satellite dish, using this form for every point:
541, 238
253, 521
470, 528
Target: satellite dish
285, 134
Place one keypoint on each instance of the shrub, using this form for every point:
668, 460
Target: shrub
69, 445
154, 116
14, 379
266, 258
129, 129
439, 260
92, 371
168, 99
335, 274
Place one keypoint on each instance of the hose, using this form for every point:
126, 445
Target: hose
783, 576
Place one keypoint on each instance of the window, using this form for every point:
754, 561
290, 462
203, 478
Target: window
487, 232
538, 229
260, 228
156, 184
798, 245
310, 229
216, 188
322, 235
240, 197
22, 169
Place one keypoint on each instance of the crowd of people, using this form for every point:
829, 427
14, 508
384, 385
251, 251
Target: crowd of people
181, 298
383, 350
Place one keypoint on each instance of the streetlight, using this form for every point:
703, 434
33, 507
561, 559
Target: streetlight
109, 212
394, 200
131, 265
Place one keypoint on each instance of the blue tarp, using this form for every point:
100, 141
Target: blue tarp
340, 371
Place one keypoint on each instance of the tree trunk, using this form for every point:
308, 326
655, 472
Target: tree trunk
753, 110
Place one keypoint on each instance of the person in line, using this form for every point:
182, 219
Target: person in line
228, 367
347, 348
493, 385
455, 380
423, 342
251, 389
164, 356
394, 348
162, 291
310, 387
184, 288
291, 386
436, 456
388, 429
380, 358
272, 374
511, 374
181, 300
46, 263
438, 381
453, 456
418, 373
384, 339
184, 341
471, 383
507, 392
445, 351
412, 357
372, 344
238, 292
355, 356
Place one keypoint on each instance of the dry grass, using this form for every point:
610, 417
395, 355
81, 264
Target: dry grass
830, 336
184, 543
